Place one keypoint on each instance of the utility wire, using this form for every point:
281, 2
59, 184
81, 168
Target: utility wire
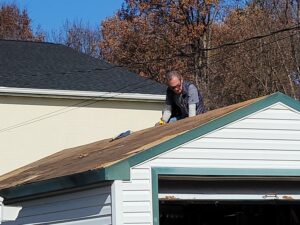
192, 53
252, 38
232, 56
234, 43
251, 49
66, 109
87, 101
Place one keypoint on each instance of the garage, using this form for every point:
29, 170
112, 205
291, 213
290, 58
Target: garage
229, 200
237, 165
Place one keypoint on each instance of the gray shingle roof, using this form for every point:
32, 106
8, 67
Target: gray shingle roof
53, 66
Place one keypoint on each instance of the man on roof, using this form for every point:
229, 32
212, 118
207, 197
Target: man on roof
183, 99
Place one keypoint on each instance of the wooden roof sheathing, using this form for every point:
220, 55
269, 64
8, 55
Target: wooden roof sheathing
104, 153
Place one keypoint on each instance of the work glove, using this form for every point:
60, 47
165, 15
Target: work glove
161, 122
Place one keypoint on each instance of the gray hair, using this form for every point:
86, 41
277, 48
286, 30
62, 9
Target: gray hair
170, 75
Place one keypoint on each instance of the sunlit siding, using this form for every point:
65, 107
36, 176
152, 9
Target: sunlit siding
267, 139
83, 207
137, 208
43, 126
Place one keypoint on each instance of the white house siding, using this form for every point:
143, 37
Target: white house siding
33, 127
137, 198
266, 139
87, 207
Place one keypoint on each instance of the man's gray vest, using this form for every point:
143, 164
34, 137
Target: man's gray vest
180, 103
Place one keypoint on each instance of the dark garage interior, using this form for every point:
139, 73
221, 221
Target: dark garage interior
229, 213
198, 201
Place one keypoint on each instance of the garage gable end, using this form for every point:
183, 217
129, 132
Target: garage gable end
274, 112
258, 142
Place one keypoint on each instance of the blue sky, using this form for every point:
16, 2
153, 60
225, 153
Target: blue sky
51, 14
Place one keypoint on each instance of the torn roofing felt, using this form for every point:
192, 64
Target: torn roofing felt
105, 160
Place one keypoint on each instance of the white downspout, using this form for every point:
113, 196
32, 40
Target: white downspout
1, 209
8, 213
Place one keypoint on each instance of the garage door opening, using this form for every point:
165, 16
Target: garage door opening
228, 201
228, 213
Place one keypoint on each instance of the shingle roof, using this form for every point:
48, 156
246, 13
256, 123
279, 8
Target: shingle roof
53, 66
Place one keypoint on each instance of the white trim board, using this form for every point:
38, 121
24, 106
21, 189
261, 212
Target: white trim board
31, 92
8, 213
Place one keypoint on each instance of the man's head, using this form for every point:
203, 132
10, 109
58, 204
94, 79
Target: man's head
174, 81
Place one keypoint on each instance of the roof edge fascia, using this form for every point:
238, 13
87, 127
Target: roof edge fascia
68, 182
74, 94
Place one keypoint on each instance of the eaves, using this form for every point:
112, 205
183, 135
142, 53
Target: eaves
74, 94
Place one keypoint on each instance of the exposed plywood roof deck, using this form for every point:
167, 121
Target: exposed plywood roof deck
105, 153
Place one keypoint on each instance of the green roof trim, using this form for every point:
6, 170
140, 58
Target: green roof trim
78, 180
208, 127
121, 169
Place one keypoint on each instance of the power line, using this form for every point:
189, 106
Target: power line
66, 109
234, 43
245, 50
192, 53
87, 101
252, 38
251, 49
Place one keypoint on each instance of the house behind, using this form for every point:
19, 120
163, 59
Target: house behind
52, 98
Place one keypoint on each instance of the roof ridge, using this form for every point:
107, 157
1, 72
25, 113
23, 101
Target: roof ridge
31, 41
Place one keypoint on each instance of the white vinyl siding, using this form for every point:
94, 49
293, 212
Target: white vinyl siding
137, 208
269, 138
83, 207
